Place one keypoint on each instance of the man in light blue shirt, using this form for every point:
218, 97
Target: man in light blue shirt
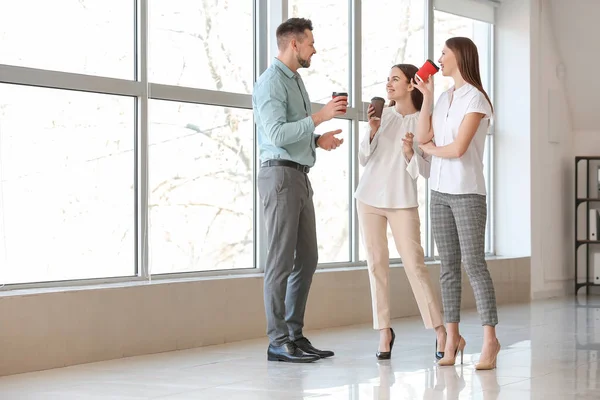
287, 143
283, 116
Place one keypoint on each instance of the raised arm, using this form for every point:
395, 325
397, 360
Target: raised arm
369, 143
424, 125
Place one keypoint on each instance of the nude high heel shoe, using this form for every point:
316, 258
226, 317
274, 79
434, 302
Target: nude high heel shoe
491, 362
448, 359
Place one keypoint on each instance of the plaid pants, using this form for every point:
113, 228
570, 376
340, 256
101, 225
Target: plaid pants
458, 223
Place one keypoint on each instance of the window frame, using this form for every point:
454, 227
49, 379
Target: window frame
267, 16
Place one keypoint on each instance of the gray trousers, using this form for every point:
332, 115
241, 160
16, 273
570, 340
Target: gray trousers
287, 199
458, 223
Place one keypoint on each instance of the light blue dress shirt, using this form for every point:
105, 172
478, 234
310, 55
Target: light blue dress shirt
282, 113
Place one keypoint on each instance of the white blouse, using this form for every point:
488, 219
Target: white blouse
389, 180
462, 175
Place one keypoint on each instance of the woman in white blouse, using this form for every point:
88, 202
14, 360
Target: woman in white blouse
455, 136
387, 193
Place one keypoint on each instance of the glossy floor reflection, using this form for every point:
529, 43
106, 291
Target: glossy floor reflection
549, 351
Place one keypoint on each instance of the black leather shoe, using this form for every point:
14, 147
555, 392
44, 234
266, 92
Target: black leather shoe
304, 345
289, 352
386, 355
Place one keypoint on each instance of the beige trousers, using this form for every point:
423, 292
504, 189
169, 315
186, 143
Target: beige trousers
406, 229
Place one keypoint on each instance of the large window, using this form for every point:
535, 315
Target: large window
66, 185
127, 138
392, 33
330, 181
85, 36
202, 44
200, 187
330, 68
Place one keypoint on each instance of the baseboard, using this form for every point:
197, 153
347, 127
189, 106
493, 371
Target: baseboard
558, 289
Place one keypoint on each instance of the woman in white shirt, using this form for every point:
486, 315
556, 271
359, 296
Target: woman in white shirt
387, 193
458, 127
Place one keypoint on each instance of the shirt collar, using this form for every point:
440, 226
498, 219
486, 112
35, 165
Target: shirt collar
413, 115
284, 68
464, 89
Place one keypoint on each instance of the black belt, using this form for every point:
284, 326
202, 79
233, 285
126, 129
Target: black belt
285, 163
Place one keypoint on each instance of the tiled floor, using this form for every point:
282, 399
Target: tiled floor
549, 351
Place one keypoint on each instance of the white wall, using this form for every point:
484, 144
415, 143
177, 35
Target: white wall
512, 186
575, 24
560, 31
573, 30
534, 147
552, 165
587, 143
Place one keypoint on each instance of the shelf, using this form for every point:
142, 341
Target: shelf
588, 165
579, 158
584, 284
587, 199
580, 242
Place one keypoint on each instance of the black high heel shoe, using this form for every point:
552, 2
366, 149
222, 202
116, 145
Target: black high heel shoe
386, 355
438, 354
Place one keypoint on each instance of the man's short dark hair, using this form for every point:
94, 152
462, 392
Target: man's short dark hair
292, 27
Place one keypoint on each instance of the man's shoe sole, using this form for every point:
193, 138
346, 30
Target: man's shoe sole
321, 357
327, 356
298, 361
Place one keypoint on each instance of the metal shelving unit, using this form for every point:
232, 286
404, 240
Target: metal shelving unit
587, 200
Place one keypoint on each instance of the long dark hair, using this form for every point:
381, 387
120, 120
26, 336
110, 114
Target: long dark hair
467, 59
416, 96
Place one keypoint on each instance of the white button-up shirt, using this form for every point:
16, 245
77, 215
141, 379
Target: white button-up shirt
389, 180
462, 175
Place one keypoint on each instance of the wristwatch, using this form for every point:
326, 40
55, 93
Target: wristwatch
316, 140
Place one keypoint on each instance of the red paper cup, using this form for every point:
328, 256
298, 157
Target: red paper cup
428, 69
337, 94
